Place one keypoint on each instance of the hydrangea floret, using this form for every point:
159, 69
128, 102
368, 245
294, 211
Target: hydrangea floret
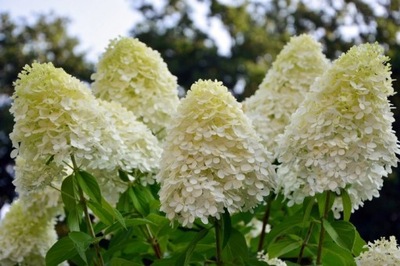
341, 136
381, 252
212, 158
136, 76
296, 67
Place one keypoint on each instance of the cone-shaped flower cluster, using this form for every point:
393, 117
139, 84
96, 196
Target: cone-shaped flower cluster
56, 116
341, 136
212, 159
136, 76
296, 67
27, 230
381, 252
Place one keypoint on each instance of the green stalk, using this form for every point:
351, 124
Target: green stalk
82, 200
305, 242
265, 222
322, 233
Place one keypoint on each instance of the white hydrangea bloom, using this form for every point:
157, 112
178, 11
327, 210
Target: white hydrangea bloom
380, 253
212, 158
133, 74
341, 136
56, 116
296, 67
25, 237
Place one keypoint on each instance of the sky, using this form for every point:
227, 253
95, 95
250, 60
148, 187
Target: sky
93, 22
96, 22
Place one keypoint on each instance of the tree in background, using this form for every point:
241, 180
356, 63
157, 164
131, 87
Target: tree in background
21, 42
255, 31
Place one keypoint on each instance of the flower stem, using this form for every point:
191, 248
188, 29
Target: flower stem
82, 200
218, 235
322, 233
305, 242
265, 222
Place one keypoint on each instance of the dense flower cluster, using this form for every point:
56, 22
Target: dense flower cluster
27, 230
134, 75
212, 159
270, 261
296, 67
381, 252
56, 116
341, 136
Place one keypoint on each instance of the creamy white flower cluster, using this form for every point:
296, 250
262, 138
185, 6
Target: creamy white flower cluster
296, 67
27, 230
56, 116
271, 261
136, 76
381, 252
341, 136
212, 158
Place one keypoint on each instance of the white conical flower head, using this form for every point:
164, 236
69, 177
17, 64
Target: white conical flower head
341, 137
136, 76
212, 158
56, 116
296, 67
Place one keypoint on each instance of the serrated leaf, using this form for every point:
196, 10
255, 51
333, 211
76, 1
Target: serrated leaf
61, 251
89, 185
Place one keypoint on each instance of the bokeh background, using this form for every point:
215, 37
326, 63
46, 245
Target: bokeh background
234, 41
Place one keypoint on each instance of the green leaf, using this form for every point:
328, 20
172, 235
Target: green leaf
74, 218
333, 234
141, 197
123, 262
123, 175
226, 227
89, 185
346, 205
283, 228
333, 255
68, 194
282, 247
81, 242
62, 250
184, 258
350, 236
102, 213
236, 250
